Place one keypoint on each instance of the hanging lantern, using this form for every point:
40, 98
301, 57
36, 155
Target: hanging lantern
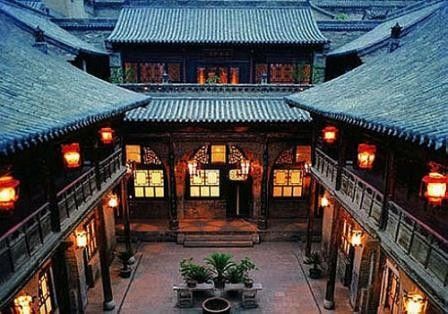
81, 239
192, 167
113, 201
324, 202
414, 303
245, 167
72, 155
9, 192
366, 156
329, 134
23, 304
356, 239
434, 186
107, 135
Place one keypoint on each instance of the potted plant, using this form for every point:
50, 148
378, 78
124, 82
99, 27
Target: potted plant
315, 260
239, 273
219, 263
126, 270
194, 273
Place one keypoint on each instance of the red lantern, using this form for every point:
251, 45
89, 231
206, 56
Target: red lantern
435, 186
107, 135
72, 155
366, 156
9, 192
329, 134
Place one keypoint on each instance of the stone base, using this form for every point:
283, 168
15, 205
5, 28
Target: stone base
328, 305
108, 305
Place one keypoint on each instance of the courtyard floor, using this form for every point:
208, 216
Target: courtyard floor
286, 287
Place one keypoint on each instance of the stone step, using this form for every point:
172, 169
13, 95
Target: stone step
220, 239
198, 243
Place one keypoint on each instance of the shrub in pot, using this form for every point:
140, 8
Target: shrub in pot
219, 264
126, 270
239, 273
193, 273
315, 260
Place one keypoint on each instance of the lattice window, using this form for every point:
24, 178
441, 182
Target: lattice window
205, 183
174, 72
92, 245
218, 154
303, 154
201, 155
151, 72
133, 153
281, 73
149, 183
235, 155
288, 183
150, 157
45, 292
286, 157
392, 292
260, 69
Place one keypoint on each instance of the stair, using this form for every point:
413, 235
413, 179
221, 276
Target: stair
218, 239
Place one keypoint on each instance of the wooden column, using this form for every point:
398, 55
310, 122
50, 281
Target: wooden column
61, 281
389, 186
262, 219
174, 223
108, 303
125, 213
333, 259
49, 170
311, 214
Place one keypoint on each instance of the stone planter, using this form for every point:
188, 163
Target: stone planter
215, 305
315, 273
125, 272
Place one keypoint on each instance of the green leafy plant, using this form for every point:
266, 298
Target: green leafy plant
240, 272
341, 17
215, 79
219, 263
314, 259
194, 272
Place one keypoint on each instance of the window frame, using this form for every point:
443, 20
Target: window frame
90, 225
302, 185
220, 185
42, 300
149, 168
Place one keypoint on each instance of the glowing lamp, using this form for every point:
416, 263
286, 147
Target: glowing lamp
113, 201
366, 156
72, 155
23, 304
324, 202
414, 303
193, 167
107, 135
9, 192
245, 167
356, 239
329, 134
434, 185
81, 239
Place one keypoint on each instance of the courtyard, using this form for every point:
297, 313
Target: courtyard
286, 286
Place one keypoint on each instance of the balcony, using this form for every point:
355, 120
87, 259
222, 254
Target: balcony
28, 244
421, 248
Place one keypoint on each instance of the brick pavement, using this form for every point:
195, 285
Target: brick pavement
285, 288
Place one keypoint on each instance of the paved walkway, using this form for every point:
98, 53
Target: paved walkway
286, 288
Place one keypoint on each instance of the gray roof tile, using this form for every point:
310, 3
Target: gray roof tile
217, 25
403, 93
43, 97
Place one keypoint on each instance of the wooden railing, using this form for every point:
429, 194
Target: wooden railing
326, 167
73, 196
419, 241
361, 196
110, 166
22, 242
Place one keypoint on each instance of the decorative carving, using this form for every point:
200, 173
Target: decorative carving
202, 155
150, 157
286, 157
235, 155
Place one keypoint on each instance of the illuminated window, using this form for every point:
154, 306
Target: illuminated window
92, 245
133, 153
288, 183
149, 183
218, 154
45, 293
205, 184
346, 234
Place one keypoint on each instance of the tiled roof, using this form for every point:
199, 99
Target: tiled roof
213, 109
217, 25
380, 35
43, 97
402, 94
29, 20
